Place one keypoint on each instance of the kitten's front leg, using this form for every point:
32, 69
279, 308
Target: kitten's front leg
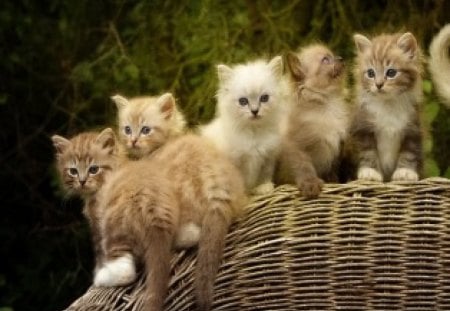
265, 176
410, 157
368, 162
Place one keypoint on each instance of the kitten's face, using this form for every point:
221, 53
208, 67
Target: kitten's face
388, 64
316, 67
250, 92
84, 161
144, 122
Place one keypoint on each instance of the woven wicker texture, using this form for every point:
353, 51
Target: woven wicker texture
359, 246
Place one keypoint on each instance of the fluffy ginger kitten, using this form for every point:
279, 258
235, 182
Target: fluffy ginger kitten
208, 187
250, 108
83, 163
131, 207
440, 63
318, 120
386, 128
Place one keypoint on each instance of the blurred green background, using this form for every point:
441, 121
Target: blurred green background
61, 60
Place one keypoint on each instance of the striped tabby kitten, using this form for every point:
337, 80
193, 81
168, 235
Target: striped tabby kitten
386, 128
250, 109
440, 63
208, 187
318, 121
83, 164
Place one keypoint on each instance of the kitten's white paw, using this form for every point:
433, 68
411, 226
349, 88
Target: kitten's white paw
116, 272
368, 173
405, 174
187, 236
263, 188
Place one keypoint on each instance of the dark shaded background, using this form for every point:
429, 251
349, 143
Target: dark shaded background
61, 60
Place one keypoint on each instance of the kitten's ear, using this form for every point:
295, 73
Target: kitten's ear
120, 101
408, 44
166, 103
276, 65
107, 140
60, 143
224, 72
362, 43
294, 66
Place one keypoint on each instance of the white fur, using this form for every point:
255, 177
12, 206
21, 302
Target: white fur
117, 272
368, 173
252, 144
391, 116
405, 174
440, 63
187, 236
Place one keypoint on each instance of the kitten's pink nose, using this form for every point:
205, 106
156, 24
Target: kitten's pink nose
379, 85
133, 142
82, 182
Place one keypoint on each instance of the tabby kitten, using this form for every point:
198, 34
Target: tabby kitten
386, 128
208, 187
318, 121
84, 162
440, 63
251, 106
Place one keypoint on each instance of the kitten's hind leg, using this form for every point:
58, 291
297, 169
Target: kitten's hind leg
266, 178
410, 158
187, 235
117, 271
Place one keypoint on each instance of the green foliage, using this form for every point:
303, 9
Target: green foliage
62, 60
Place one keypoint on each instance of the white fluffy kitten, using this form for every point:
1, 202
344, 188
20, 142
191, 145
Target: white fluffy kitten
250, 109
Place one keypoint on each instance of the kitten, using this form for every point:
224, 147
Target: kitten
318, 121
132, 209
208, 187
439, 64
386, 128
83, 164
251, 106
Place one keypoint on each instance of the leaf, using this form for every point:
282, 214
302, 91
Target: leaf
431, 110
427, 86
431, 168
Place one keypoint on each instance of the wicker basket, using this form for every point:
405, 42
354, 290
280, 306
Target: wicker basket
359, 246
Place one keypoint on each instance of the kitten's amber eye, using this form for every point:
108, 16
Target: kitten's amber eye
243, 101
73, 171
264, 98
371, 73
127, 130
390, 73
145, 130
93, 169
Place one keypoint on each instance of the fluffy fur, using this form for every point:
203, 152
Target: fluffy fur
208, 187
84, 162
318, 121
439, 64
251, 106
386, 127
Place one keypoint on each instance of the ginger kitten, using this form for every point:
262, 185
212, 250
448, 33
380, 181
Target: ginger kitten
318, 121
208, 187
439, 64
251, 105
386, 127
84, 162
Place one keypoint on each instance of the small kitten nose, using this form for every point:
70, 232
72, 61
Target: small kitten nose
255, 112
133, 142
82, 182
379, 85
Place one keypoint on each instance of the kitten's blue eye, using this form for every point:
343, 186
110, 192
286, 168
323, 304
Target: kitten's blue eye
145, 130
390, 73
93, 169
243, 101
264, 98
73, 171
127, 130
371, 73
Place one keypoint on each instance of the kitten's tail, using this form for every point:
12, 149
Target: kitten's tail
157, 255
439, 64
212, 240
